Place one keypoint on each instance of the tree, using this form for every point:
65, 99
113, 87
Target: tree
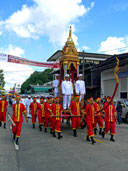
37, 78
2, 82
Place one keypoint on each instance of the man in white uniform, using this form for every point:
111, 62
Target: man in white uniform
80, 87
27, 104
56, 85
67, 90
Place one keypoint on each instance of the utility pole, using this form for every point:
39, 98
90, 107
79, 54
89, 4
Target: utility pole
83, 63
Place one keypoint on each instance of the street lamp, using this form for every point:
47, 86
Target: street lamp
83, 63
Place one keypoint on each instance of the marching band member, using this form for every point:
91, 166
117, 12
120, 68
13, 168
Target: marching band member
75, 110
48, 113
56, 121
3, 110
89, 112
41, 113
110, 118
67, 90
80, 87
98, 116
56, 85
17, 117
33, 111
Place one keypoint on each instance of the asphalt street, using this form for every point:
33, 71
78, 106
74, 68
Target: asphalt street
39, 151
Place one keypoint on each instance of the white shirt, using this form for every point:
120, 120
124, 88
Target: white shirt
56, 85
80, 87
67, 88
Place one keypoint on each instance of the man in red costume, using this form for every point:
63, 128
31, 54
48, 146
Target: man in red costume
3, 110
110, 118
75, 110
89, 112
98, 116
56, 121
48, 113
33, 111
18, 111
41, 113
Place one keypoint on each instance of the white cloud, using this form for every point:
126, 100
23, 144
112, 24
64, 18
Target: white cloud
14, 72
46, 17
0, 33
86, 48
114, 45
16, 51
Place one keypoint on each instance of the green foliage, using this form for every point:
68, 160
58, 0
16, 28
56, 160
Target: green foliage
2, 82
37, 78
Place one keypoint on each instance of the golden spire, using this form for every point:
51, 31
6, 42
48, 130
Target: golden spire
70, 34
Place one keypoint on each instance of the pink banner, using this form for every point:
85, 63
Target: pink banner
20, 60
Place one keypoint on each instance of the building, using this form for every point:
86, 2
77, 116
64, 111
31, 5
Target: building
17, 87
39, 90
108, 81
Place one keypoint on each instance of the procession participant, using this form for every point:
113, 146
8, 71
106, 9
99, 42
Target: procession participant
41, 113
80, 87
17, 117
3, 110
56, 121
48, 113
75, 110
56, 85
33, 111
23, 99
98, 117
27, 104
110, 118
67, 90
89, 112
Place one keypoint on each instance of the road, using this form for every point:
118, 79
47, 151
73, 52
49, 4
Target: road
39, 151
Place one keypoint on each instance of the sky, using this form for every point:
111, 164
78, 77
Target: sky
35, 29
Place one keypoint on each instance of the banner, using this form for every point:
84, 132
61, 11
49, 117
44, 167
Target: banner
19, 60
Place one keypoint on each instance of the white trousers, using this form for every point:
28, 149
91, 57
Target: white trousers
56, 94
28, 115
81, 97
66, 101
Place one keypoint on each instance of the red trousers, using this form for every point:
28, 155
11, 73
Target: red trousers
40, 119
98, 120
56, 125
110, 126
90, 126
3, 117
76, 122
17, 130
33, 118
48, 121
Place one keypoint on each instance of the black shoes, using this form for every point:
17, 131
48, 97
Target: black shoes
33, 125
0, 123
95, 131
4, 125
54, 135
112, 139
17, 141
51, 131
14, 137
93, 141
40, 127
74, 133
103, 134
88, 139
100, 131
45, 130
59, 135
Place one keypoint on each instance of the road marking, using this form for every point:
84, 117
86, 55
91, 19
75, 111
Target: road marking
98, 141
